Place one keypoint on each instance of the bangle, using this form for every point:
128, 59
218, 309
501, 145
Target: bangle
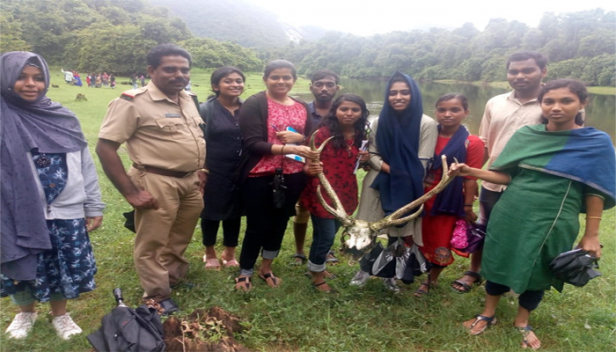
593, 217
282, 150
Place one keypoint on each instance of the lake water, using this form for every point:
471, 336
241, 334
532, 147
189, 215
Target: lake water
600, 113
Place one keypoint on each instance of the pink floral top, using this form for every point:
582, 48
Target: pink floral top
279, 117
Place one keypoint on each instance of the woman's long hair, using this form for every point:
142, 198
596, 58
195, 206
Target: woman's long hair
361, 125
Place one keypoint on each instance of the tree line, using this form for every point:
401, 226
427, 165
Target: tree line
99, 35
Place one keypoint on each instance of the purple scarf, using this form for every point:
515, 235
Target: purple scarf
43, 125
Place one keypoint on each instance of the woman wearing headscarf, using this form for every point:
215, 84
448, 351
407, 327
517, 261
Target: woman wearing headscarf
50, 198
401, 143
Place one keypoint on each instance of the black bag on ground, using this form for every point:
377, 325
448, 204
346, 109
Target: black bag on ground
130, 330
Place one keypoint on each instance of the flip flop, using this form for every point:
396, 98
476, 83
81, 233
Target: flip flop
211, 264
273, 282
243, 284
489, 322
230, 263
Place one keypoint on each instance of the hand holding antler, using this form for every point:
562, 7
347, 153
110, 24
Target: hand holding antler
302, 150
459, 169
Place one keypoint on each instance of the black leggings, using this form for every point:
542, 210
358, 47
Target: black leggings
528, 300
266, 225
230, 229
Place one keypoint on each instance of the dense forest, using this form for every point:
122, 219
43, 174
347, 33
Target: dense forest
115, 35
107, 35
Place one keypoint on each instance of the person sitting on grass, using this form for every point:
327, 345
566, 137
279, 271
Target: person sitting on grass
554, 172
347, 122
50, 198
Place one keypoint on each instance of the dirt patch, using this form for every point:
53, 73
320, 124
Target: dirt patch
208, 331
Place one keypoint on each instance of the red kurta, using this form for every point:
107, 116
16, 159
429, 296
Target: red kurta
438, 229
338, 166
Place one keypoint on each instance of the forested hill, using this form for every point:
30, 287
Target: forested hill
237, 21
579, 45
107, 35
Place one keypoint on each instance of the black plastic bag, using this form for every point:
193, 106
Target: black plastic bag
575, 267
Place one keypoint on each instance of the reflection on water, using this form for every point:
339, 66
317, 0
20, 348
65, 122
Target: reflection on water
601, 112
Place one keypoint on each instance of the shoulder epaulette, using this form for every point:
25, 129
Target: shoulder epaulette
127, 96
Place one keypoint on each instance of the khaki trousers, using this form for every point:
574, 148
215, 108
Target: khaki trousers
164, 234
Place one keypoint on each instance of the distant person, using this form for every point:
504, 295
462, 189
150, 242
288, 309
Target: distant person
503, 115
105, 79
142, 79
455, 202
224, 148
133, 81
264, 119
51, 199
89, 80
112, 81
324, 84
160, 125
68, 76
77, 79
98, 81
401, 143
550, 169
346, 122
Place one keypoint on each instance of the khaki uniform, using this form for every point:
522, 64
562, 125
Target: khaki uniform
160, 134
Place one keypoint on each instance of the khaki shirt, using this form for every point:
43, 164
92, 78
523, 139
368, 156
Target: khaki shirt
504, 114
157, 131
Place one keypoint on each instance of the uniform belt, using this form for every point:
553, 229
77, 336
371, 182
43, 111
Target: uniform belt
162, 172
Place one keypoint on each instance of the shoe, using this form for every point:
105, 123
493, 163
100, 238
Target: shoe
360, 278
391, 284
169, 306
65, 326
21, 325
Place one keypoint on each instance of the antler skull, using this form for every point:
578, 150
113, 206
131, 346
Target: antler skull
361, 234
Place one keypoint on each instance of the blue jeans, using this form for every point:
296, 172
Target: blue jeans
323, 235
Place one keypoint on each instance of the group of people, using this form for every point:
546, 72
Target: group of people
101, 80
226, 158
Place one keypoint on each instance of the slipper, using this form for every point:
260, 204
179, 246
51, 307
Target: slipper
302, 259
489, 322
525, 330
466, 288
421, 292
271, 280
331, 258
230, 263
211, 264
243, 284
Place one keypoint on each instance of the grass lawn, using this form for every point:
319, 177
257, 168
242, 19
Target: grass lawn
297, 318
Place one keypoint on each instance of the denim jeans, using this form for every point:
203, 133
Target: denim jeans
323, 235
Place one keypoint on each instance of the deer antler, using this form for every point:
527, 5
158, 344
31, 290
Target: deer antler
338, 211
394, 219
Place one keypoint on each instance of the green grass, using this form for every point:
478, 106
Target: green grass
295, 317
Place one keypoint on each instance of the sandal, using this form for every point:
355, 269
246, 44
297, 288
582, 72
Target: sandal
466, 288
302, 259
230, 263
478, 318
243, 283
525, 331
211, 264
326, 275
318, 287
271, 280
331, 258
421, 292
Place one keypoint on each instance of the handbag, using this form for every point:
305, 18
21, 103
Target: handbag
475, 236
575, 267
459, 238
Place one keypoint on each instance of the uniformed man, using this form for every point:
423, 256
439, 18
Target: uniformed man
160, 124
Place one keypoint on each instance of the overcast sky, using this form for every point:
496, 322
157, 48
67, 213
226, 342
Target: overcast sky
367, 17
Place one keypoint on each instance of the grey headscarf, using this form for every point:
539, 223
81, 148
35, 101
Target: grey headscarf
38, 125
